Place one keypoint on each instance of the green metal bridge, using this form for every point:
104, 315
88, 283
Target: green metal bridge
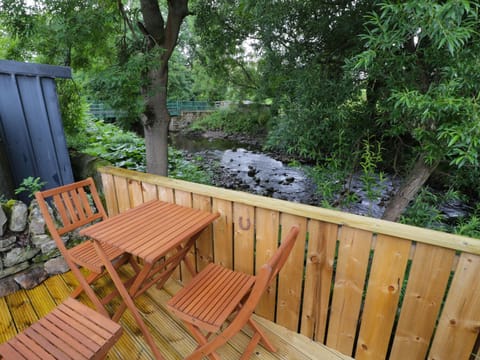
175, 108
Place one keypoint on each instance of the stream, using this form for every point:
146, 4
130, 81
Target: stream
240, 164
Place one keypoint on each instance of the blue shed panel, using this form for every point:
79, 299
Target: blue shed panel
31, 124
15, 130
56, 131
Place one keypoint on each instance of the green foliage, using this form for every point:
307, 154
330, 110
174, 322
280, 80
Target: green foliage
119, 85
329, 181
107, 141
421, 70
30, 185
246, 119
424, 211
127, 150
73, 33
189, 170
73, 107
371, 178
470, 226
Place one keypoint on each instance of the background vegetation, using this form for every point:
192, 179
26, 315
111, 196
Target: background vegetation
369, 87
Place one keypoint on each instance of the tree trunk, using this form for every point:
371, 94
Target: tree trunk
409, 189
156, 123
157, 119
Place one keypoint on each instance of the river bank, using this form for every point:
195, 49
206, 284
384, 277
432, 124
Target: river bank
239, 162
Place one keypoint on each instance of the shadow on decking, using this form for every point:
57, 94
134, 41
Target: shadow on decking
21, 309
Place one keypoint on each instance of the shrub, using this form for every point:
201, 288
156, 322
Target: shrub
237, 119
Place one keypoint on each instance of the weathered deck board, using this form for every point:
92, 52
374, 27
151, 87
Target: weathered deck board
19, 309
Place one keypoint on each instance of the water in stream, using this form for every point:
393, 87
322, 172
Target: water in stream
241, 165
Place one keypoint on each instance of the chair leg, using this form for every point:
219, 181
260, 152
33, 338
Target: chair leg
92, 277
202, 340
251, 346
263, 338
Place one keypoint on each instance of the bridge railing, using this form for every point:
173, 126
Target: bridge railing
175, 107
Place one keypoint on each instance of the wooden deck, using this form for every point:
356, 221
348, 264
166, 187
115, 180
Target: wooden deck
19, 310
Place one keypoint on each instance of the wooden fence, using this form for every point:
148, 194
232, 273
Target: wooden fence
369, 288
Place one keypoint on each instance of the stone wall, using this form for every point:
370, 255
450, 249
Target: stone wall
28, 255
186, 119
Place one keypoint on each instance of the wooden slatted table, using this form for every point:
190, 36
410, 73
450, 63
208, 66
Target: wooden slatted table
158, 233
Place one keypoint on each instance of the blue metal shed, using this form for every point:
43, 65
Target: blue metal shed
30, 122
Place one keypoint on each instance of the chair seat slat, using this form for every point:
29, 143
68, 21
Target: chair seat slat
59, 338
91, 316
38, 351
71, 331
41, 340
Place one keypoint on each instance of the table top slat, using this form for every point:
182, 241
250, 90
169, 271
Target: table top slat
150, 230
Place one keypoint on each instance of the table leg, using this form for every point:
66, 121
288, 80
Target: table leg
186, 248
133, 289
128, 301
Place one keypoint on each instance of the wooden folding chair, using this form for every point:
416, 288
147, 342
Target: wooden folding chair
78, 205
217, 294
71, 331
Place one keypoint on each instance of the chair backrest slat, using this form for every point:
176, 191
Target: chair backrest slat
84, 201
73, 206
62, 211
78, 206
269, 271
278, 259
71, 210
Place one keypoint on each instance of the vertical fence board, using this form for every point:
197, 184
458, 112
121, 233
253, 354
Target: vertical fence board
431, 266
123, 197
383, 292
110, 194
459, 324
135, 192
322, 239
149, 191
353, 255
243, 237
165, 194
204, 245
185, 199
267, 224
223, 236
290, 278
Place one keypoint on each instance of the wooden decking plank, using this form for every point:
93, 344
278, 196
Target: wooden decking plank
58, 289
293, 343
7, 324
41, 300
156, 319
21, 309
